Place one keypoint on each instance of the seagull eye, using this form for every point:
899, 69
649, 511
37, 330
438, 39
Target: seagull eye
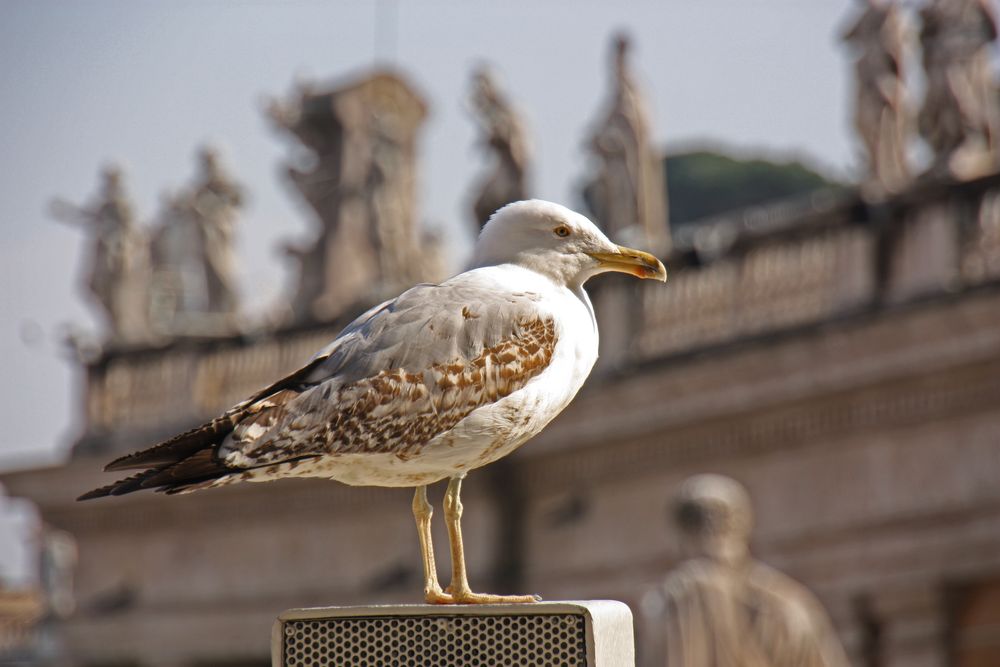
562, 231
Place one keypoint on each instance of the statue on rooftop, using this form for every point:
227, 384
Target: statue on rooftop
725, 609
215, 201
193, 287
356, 167
628, 196
881, 116
58, 557
960, 118
117, 275
393, 240
503, 133
174, 253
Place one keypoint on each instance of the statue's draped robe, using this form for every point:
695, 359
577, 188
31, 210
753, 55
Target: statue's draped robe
880, 113
751, 616
215, 204
118, 272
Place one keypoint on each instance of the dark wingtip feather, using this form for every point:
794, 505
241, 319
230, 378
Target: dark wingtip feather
175, 449
199, 467
180, 461
122, 486
96, 493
188, 459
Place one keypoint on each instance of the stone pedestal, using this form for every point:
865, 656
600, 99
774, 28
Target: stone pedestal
592, 633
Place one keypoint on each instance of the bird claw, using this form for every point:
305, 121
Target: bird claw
448, 596
437, 596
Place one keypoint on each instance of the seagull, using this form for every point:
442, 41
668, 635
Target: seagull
441, 380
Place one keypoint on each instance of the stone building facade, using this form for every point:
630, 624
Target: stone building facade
841, 359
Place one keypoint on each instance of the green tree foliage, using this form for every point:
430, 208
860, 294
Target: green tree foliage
704, 183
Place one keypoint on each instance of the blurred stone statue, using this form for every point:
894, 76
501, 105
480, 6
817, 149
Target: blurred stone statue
57, 566
174, 251
193, 286
503, 133
628, 196
359, 175
725, 609
118, 263
387, 201
960, 118
881, 116
215, 202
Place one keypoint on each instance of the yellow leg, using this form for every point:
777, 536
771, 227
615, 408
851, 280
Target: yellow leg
422, 512
459, 589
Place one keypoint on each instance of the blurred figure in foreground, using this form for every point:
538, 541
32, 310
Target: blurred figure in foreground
725, 609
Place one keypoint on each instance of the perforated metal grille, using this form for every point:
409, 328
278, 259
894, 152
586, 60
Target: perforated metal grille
445, 641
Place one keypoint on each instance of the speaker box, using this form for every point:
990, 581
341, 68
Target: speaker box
593, 633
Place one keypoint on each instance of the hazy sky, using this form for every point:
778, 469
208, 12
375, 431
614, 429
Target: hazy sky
144, 83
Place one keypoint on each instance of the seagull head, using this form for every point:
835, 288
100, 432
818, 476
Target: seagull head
559, 243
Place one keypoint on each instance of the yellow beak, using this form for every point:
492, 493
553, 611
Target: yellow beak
634, 262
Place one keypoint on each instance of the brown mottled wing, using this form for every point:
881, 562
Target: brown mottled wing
404, 373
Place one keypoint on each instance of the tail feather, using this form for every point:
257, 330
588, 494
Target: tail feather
200, 466
190, 459
183, 460
177, 448
122, 486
